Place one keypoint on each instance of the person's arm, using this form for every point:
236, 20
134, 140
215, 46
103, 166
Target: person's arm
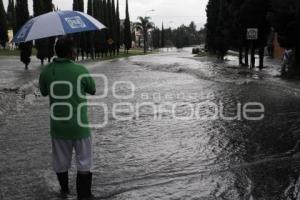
43, 85
89, 84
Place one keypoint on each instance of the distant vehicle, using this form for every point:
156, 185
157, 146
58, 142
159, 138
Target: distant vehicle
196, 50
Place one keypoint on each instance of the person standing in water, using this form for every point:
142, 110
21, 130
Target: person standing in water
62, 81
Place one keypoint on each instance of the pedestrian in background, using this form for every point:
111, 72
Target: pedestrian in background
287, 58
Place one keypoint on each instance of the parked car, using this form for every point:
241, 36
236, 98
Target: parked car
196, 50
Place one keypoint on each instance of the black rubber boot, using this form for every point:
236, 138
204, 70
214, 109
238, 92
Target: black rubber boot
63, 179
84, 186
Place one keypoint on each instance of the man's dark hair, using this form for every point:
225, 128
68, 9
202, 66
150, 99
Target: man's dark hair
64, 47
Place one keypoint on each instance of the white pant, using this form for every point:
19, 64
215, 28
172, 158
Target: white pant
62, 151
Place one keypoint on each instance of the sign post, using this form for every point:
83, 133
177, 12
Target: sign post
110, 41
252, 35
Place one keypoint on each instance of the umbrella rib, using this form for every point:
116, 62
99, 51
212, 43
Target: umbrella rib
60, 23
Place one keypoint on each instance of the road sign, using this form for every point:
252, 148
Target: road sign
252, 34
110, 41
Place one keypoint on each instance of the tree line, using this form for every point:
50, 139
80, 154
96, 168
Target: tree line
44, 47
228, 21
16, 16
106, 42
183, 36
95, 44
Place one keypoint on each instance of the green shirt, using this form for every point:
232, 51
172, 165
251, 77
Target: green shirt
59, 80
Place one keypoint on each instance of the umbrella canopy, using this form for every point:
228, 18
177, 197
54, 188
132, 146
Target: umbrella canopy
55, 24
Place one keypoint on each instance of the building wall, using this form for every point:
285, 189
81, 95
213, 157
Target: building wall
10, 35
278, 50
11, 46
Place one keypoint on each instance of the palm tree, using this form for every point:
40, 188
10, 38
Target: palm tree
144, 25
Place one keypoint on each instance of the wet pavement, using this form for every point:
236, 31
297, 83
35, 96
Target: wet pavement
154, 154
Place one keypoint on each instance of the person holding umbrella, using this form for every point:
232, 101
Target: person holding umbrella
58, 81
66, 84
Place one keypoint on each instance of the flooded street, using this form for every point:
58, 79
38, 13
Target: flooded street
168, 157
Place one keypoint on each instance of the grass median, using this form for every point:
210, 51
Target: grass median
122, 54
15, 52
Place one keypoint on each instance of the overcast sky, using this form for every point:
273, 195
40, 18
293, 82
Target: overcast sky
172, 12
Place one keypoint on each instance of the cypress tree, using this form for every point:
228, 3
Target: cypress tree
82, 35
107, 24
99, 34
76, 35
14, 15
212, 11
109, 17
114, 26
218, 27
223, 39
42, 44
118, 28
45, 47
156, 37
21, 19
110, 26
259, 21
23, 13
104, 33
90, 35
11, 15
81, 5
88, 40
162, 43
127, 30
105, 15
75, 5
96, 8
90, 7
101, 11
38, 8
48, 7
3, 26
238, 32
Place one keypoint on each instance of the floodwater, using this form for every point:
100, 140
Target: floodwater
155, 153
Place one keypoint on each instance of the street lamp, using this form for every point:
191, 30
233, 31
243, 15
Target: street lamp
152, 10
149, 36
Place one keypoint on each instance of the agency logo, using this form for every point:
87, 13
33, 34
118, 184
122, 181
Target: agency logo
75, 22
125, 108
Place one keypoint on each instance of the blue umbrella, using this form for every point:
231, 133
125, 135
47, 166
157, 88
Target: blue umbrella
55, 24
